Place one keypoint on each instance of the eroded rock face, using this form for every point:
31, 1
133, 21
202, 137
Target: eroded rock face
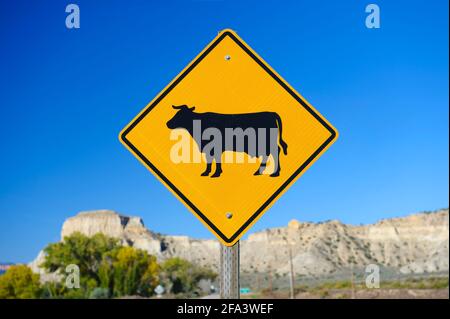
44, 275
412, 244
130, 230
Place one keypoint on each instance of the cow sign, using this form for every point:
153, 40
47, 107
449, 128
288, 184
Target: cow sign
228, 136
234, 133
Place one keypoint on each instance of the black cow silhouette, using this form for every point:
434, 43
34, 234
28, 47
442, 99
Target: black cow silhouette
261, 123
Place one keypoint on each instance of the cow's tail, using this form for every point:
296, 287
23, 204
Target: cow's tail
280, 130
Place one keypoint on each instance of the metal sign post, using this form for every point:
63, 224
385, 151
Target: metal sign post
229, 271
244, 95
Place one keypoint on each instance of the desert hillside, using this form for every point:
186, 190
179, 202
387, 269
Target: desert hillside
414, 244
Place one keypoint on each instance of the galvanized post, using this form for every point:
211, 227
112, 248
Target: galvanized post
229, 272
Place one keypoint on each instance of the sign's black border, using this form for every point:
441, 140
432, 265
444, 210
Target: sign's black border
285, 184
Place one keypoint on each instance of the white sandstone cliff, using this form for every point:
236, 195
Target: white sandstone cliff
413, 244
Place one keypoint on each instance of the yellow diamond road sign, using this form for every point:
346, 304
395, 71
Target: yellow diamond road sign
228, 136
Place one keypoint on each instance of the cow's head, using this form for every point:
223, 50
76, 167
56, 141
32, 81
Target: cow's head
183, 118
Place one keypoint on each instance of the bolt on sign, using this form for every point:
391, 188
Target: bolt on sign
228, 136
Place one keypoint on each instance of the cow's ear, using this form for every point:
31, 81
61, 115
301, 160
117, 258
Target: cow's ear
192, 108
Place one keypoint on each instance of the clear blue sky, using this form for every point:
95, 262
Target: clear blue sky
65, 95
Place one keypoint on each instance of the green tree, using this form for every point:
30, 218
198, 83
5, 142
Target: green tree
58, 290
134, 271
181, 276
19, 282
85, 252
103, 263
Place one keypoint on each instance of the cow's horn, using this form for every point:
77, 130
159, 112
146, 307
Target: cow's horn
179, 107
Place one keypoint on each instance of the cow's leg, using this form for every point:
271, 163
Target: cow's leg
209, 160
276, 172
218, 170
207, 170
262, 166
218, 166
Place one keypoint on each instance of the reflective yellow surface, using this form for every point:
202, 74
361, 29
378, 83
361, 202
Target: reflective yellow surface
238, 84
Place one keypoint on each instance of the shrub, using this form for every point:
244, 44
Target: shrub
103, 263
19, 282
181, 276
99, 293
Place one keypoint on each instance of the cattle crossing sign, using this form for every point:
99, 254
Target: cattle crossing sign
228, 136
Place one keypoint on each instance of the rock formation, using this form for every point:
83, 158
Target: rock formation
413, 244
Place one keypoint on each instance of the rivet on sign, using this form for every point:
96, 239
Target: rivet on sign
229, 215
227, 57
